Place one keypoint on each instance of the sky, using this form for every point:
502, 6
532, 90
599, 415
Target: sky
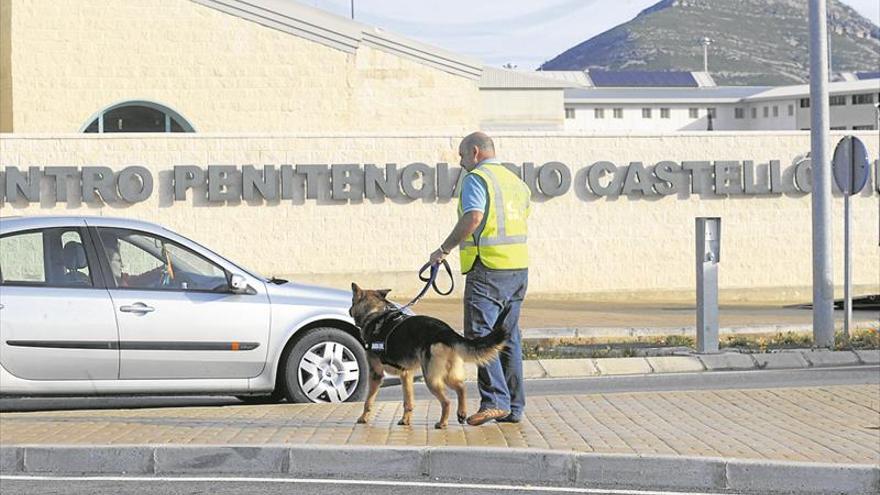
525, 33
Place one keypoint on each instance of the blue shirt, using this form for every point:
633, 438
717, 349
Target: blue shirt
474, 195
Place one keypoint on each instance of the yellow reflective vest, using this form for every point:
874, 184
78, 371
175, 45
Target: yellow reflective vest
501, 242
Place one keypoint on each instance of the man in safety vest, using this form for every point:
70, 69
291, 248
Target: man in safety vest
491, 235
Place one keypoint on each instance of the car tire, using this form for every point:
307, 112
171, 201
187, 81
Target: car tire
326, 365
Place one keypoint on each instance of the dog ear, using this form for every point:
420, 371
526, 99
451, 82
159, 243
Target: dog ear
383, 292
355, 289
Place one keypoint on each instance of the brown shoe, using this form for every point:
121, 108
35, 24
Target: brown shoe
484, 415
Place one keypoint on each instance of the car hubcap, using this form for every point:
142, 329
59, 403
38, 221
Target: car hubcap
328, 372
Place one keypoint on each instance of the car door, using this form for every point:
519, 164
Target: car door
177, 317
56, 318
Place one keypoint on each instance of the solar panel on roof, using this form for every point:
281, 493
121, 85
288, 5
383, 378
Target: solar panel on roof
642, 79
868, 75
683, 94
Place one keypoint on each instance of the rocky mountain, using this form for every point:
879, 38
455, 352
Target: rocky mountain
754, 42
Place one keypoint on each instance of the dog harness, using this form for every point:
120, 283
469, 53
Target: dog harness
378, 330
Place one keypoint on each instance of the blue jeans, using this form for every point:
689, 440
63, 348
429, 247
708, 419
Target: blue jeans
486, 294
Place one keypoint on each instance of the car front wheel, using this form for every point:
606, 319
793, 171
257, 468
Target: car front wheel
326, 365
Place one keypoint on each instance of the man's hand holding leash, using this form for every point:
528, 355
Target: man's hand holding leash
438, 256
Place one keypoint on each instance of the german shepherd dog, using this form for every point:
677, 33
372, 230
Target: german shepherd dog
420, 342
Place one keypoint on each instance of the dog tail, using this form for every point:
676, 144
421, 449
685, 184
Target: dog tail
483, 350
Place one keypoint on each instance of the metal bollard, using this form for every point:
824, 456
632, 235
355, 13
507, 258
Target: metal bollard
708, 255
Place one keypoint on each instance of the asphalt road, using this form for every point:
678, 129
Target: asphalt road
810, 377
287, 486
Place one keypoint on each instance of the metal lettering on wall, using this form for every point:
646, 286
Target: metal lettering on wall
351, 182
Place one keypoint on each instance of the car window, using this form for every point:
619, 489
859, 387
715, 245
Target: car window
21, 257
52, 257
139, 260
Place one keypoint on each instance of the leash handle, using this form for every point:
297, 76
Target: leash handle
431, 281
432, 278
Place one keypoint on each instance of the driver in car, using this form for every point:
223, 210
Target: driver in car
151, 279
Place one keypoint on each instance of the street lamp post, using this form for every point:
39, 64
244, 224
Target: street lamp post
705, 42
823, 277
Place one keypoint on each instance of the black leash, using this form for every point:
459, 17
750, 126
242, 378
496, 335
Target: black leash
431, 281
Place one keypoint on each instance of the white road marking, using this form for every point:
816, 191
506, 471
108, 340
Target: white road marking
315, 481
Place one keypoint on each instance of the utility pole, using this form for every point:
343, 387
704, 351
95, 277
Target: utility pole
352, 9
823, 277
705, 42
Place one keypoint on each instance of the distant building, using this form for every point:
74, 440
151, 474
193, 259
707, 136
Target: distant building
513, 100
633, 101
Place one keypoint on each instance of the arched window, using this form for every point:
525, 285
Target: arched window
137, 116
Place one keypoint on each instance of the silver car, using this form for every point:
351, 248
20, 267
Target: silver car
95, 305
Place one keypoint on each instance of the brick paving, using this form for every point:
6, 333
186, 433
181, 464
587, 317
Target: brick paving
836, 424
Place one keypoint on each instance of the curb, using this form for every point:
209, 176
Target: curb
725, 361
449, 463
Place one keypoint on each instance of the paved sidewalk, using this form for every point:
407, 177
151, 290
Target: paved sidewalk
835, 424
810, 440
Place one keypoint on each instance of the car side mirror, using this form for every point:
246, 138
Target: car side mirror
238, 285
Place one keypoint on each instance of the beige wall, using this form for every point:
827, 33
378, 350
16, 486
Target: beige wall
5, 66
541, 109
72, 58
623, 249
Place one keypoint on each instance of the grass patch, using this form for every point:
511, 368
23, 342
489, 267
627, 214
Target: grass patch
603, 347
679, 341
861, 338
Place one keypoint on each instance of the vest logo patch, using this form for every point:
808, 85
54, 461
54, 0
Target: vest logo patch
377, 346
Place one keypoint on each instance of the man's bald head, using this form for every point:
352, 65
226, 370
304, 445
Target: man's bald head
481, 141
474, 148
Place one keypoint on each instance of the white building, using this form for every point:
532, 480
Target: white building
653, 109
852, 105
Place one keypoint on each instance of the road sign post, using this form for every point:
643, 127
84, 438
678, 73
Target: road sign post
708, 250
851, 168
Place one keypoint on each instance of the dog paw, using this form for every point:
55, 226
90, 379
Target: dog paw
440, 425
462, 418
403, 422
362, 420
